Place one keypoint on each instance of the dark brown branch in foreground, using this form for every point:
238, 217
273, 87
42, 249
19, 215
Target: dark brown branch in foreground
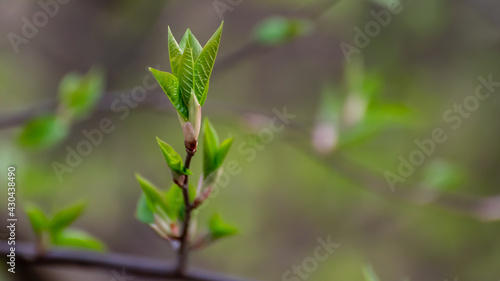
132, 266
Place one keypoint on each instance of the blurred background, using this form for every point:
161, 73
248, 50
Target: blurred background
363, 92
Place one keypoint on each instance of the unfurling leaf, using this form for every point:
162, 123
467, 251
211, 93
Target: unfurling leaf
174, 52
170, 85
185, 73
219, 229
174, 160
43, 132
65, 217
193, 43
192, 66
39, 222
77, 239
79, 94
205, 64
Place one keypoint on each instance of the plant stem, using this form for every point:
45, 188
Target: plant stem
182, 255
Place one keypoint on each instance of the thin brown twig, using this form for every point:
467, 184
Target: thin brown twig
182, 255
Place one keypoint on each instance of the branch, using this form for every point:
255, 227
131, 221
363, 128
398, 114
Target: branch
182, 255
133, 266
13, 120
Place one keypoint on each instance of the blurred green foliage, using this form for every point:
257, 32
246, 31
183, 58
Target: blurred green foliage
43, 132
78, 95
220, 229
54, 231
279, 30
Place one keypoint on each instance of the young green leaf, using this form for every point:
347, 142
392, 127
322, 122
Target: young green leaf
222, 151
174, 160
205, 92
195, 45
186, 73
193, 42
77, 239
174, 201
174, 52
43, 132
79, 94
65, 217
219, 229
154, 198
184, 41
38, 220
170, 85
205, 64
143, 212
213, 154
210, 148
